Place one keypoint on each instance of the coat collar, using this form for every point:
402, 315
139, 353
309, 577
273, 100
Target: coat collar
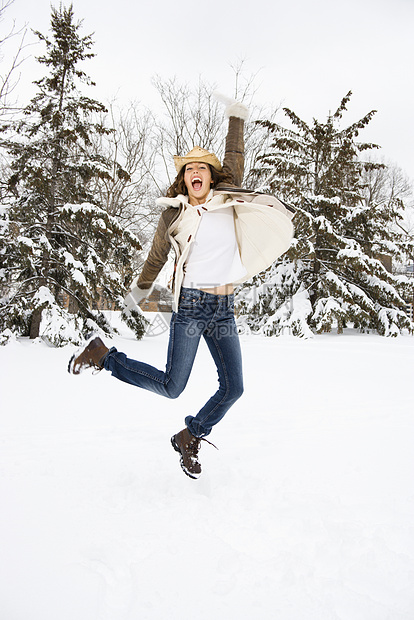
213, 199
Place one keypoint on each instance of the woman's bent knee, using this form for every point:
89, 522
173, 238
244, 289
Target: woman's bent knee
236, 392
173, 391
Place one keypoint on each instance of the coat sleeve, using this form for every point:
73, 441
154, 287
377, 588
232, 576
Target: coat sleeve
158, 254
233, 162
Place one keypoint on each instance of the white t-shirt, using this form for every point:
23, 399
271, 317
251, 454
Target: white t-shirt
214, 257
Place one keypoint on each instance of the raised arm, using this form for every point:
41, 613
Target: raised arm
233, 162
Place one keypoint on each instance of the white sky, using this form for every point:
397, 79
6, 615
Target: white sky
307, 54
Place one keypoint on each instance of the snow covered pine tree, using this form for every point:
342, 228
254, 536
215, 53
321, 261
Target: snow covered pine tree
64, 252
333, 275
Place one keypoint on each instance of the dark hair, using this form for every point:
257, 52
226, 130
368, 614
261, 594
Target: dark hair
179, 187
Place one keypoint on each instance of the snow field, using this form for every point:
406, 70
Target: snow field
306, 512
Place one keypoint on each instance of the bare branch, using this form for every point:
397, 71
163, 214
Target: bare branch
10, 78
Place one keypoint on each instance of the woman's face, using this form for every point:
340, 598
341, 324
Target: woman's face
197, 179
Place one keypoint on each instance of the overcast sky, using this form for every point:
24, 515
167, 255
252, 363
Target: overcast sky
307, 54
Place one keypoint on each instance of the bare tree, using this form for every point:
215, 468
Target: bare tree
388, 186
130, 192
193, 117
10, 76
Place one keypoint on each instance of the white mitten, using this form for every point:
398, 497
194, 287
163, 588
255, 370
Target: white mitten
136, 295
233, 107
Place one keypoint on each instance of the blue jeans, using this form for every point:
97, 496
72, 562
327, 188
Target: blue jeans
199, 314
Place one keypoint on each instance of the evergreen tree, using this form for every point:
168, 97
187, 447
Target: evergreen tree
61, 252
333, 274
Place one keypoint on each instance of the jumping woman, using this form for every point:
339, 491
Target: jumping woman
221, 235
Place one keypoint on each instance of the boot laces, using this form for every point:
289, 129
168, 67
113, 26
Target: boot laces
90, 363
193, 446
210, 442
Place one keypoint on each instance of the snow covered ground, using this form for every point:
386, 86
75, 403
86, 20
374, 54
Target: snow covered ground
306, 512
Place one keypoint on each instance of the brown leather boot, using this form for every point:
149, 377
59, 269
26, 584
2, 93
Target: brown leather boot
188, 446
91, 355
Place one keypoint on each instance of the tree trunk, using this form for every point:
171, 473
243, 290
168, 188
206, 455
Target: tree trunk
73, 305
35, 323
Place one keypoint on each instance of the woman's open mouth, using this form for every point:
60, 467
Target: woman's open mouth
197, 184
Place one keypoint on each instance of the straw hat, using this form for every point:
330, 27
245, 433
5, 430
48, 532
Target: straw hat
199, 155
